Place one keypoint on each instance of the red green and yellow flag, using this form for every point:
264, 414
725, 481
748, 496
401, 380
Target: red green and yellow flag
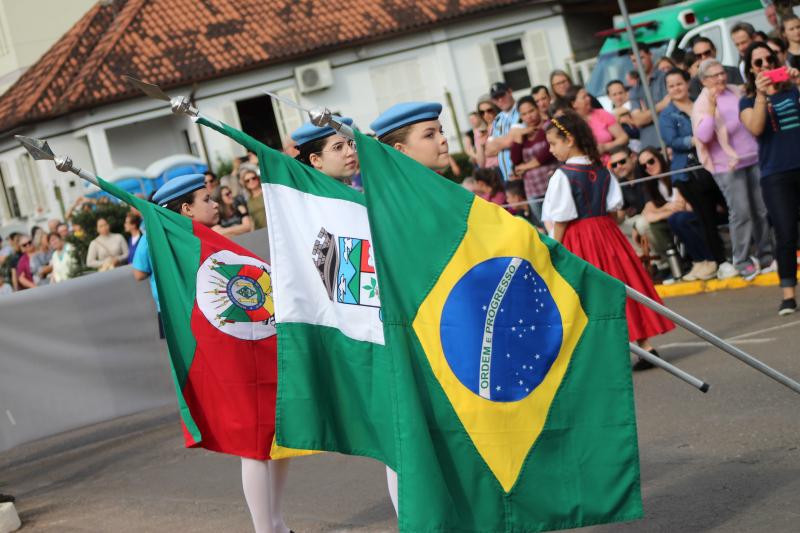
217, 311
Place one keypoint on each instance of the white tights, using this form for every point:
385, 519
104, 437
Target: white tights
263, 483
391, 481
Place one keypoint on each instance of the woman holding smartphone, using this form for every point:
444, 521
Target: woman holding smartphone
771, 112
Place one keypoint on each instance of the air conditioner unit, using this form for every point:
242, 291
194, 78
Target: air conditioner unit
314, 76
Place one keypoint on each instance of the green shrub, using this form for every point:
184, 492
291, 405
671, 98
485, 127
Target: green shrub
224, 167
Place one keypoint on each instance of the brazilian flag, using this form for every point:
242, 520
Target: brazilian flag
513, 388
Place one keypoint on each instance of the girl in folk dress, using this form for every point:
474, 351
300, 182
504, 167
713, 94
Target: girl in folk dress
580, 201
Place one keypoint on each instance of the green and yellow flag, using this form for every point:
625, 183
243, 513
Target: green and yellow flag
510, 363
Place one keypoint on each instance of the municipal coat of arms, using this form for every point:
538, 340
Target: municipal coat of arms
346, 266
234, 293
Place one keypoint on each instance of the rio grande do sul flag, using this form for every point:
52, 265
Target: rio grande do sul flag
217, 311
335, 390
510, 359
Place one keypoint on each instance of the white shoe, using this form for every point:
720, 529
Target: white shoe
709, 270
726, 270
694, 272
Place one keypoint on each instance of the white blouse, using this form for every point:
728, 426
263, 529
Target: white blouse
559, 205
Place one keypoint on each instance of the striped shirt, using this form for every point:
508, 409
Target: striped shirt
500, 128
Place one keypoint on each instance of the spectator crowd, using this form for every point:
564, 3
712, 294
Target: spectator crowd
45, 257
714, 158
726, 168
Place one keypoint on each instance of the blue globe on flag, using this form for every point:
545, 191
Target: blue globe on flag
514, 329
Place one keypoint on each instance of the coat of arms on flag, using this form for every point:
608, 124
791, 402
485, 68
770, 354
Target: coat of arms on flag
234, 292
347, 268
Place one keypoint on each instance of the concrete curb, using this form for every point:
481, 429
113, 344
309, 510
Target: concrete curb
686, 288
9, 520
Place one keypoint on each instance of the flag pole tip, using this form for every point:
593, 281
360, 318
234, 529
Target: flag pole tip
704, 387
149, 89
37, 148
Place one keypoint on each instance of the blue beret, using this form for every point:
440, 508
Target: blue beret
400, 115
178, 186
309, 132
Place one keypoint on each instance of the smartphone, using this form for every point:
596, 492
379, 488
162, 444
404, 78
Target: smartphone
778, 75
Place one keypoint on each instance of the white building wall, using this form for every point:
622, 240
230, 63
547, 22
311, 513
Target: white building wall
366, 80
141, 143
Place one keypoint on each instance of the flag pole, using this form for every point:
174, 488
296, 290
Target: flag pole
713, 339
182, 106
672, 369
623, 9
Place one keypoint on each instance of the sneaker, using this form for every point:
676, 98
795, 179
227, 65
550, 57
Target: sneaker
726, 270
788, 306
771, 267
694, 273
706, 271
748, 272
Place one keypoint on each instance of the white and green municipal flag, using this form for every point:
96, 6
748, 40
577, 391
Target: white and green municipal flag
334, 379
320, 245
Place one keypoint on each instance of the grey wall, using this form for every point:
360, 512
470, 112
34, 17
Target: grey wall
82, 352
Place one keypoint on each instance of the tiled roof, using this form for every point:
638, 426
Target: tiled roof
178, 42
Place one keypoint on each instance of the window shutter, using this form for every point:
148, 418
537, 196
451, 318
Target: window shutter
230, 115
491, 62
28, 198
6, 211
397, 82
288, 118
537, 54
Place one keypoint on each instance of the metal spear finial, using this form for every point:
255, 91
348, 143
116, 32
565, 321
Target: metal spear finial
180, 105
39, 149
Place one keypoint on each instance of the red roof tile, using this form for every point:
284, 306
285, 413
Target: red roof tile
178, 42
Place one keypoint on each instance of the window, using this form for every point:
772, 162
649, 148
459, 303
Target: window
258, 120
513, 64
521, 61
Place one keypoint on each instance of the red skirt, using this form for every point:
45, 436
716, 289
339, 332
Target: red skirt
599, 241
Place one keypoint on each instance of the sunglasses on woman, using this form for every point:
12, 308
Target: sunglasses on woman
486, 111
764, 61
650, 162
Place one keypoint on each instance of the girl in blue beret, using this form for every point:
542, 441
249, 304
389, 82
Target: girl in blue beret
262, 481
414, 129
327, 151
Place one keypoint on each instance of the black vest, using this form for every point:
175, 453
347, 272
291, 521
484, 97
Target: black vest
589, 185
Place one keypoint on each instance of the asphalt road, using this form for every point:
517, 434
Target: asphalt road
726, 461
